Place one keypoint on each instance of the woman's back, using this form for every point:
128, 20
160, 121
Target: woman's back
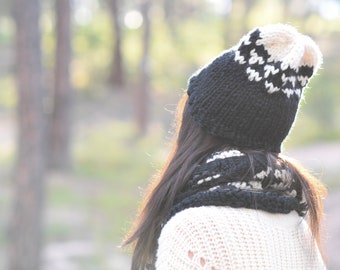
212, 237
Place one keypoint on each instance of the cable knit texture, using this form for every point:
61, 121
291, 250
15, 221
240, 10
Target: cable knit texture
249, 95
222, 238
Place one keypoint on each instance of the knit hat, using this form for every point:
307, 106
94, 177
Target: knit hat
249, 95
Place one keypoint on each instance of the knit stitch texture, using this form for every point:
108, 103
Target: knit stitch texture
233, 178
249, 95
224, 238
238, 211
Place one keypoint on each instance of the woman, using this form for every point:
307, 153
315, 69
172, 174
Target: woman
227, 198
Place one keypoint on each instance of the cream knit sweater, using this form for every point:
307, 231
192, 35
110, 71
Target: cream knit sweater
221, 238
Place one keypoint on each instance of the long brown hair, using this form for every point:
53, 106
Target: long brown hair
190, 147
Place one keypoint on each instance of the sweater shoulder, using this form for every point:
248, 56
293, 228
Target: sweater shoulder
211, 237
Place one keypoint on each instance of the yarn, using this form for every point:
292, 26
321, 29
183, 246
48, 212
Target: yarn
231, 178
249, 95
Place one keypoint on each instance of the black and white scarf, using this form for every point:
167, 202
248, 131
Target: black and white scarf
241, 180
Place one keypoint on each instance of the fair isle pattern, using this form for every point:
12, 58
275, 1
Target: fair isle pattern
265, 176
225, 154
225, 179
288, 77
249, 95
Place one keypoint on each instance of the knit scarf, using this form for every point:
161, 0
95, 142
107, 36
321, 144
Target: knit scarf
242, 180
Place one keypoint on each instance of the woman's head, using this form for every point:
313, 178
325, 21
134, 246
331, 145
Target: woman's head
249, 95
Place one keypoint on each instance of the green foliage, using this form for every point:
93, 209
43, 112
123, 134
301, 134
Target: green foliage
92, 52
63, 196
8, 97
6, 31
174, 55
59, 232
108, 151
48, 40
119, 164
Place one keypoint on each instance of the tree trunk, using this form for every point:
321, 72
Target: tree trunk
25, 235
143, 95
60, 124
117, 70
169, 7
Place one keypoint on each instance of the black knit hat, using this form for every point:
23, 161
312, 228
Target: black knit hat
249, 95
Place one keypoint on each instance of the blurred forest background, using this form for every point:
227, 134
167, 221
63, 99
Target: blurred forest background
88, 91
